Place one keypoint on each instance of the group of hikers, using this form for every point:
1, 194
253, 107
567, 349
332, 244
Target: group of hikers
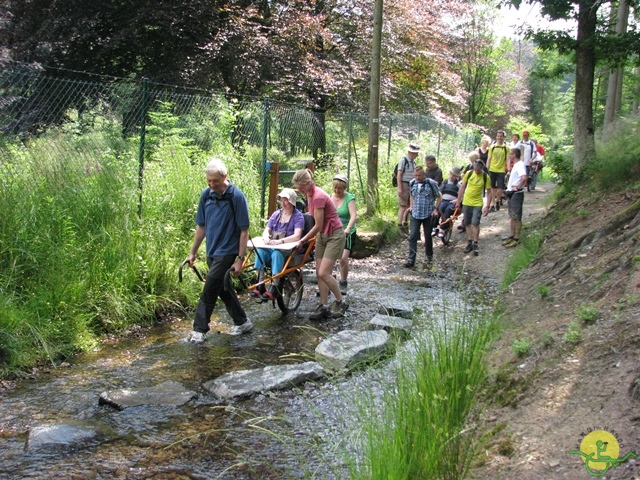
426, 199
495, 172
223, 219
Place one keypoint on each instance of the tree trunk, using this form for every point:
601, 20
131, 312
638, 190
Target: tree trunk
614, 90
373, 199
584, 147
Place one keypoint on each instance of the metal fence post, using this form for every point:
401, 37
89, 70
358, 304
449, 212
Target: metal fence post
389, 140
265, 137
143, 133
439, 131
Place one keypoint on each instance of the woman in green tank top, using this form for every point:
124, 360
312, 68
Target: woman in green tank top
345, 203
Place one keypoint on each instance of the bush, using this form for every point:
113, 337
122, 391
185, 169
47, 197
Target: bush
521, 347
587, 312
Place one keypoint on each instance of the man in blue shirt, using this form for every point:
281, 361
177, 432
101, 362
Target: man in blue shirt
423, 204
223, 219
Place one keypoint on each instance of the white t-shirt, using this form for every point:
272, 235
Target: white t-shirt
528, 148
517, 172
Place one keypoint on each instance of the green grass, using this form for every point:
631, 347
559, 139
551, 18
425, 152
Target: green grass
573, 335
523, 255
587, 312
521, 347
543, 291
421, 427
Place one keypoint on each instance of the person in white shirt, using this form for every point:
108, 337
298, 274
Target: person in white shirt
515, 193
529, 151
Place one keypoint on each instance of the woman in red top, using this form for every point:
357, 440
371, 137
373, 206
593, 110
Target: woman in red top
329, 243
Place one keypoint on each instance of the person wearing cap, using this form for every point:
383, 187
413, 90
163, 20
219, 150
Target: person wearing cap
345, 203
329, 234
222, 219
529, 151
284, 226
449, 189
474, 184
406, 166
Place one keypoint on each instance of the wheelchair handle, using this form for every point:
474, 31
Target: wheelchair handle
193, 267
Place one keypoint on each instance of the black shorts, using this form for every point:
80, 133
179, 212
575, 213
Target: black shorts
497, 179
350, 241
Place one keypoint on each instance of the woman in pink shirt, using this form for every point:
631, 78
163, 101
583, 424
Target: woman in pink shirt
329, 243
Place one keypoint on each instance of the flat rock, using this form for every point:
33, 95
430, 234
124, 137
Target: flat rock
167, 393
390, 323
351, 348
367, 244
396, 308
273, 377
58, 438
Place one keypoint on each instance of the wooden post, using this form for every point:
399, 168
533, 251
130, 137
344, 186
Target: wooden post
273, 187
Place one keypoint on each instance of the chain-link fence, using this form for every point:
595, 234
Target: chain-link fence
154, 128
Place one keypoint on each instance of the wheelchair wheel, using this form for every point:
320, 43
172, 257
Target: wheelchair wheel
447, 234
291, 288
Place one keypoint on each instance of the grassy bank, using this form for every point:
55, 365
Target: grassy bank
421, 426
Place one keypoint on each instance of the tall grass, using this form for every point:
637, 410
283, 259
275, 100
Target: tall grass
76, 259
421, 428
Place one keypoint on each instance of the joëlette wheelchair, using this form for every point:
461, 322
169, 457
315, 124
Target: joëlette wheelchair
289, 282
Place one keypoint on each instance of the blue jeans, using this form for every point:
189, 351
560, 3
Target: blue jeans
266, 255
414, 236
214, 288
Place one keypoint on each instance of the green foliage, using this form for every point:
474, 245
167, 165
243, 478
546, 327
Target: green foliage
521, 347
543, 291
547, 339
573, 334
560, 164
420, 429
76, 260
587, 312
616, 165
523, 255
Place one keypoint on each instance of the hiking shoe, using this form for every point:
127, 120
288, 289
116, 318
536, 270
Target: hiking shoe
343, 287
321, 313
240, 329
408, 265
475, 249
434, 232
338, 309
270, 294
196, 337
492, 209
506, 240
461, 227
513, 243
497, 206
441, 234
468, 248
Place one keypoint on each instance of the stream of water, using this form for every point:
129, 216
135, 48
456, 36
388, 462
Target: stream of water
286, 434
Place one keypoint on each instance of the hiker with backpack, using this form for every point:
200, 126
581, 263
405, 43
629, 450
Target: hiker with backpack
497, 166
472, 188
403, 174
424, 203
529, 152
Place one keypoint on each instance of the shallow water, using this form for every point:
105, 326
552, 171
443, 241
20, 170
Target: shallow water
287, 434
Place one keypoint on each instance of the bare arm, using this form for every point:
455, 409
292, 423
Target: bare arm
242, 250
353, 216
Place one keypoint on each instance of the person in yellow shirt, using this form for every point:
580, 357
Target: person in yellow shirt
497, 166
472, 188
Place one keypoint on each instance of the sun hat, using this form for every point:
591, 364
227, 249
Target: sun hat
413, 148
289, 194
341, 177
455, 171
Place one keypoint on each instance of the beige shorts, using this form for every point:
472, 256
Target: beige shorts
403, 199
330, 246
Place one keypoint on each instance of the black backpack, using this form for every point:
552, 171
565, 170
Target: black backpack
394, 179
